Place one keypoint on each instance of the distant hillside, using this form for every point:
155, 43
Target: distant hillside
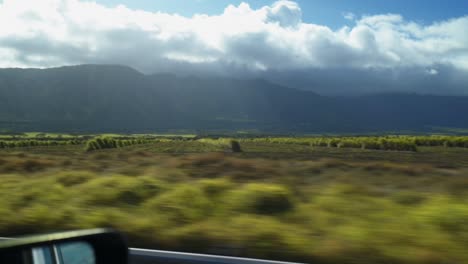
117, 98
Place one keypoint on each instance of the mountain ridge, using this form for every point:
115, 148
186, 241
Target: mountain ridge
96, 97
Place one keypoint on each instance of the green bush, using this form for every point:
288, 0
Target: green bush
372, 144
408, 198
35, 143
235, 146
268, 238
215, 187
110, 143
453, 219
72, 178
183, 205
262, 198
349, 143
398, 143
120, 190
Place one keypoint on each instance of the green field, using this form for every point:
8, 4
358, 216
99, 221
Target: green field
393, 199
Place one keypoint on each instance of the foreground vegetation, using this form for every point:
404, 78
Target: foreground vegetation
293, 199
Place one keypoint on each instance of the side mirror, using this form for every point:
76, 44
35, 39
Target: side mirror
96, 246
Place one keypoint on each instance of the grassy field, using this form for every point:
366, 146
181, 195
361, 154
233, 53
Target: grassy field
281, 198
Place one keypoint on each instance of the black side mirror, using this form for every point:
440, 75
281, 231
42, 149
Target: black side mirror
96, 246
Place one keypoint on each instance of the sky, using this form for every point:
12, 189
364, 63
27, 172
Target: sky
325, 12
328, 46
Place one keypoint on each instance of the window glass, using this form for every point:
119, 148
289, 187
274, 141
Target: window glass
76, 253
42, 255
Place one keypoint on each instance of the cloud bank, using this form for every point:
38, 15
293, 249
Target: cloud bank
378, 53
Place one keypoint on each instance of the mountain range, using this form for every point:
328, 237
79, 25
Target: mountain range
96, 98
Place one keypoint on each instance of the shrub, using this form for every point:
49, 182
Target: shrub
120, 190
266, 237
264, 198
235, 146
408, 198
333, 143
184, 204
215, 187
370, 144
349, 143
101, 143
109, 143
398, 143
452, 218
68, 179
31, 143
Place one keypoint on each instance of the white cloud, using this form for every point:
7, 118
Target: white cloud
286, 13
45, 33
432, 72
349, 16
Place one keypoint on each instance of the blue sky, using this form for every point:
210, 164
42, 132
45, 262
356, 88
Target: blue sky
324, 12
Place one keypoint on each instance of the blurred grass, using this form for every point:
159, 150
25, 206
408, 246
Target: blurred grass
278, 201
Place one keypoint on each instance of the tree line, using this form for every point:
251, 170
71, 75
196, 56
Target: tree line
110, 143
397, 143
37, 143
